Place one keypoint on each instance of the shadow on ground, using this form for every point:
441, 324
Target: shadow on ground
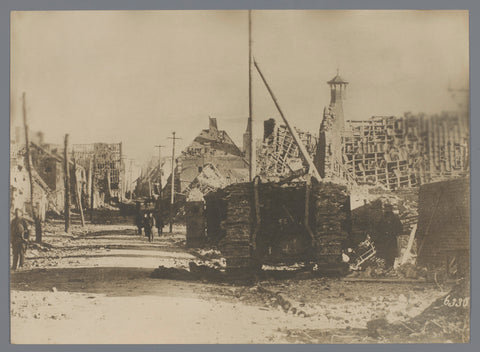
103, 280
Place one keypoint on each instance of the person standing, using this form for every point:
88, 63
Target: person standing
159, 223
148, 225
389, 228
19, 238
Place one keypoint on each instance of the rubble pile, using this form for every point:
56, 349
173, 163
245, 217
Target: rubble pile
446, 318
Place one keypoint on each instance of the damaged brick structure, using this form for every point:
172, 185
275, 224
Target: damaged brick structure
279, 154
215, 147
48, 175
395, 152
382, 160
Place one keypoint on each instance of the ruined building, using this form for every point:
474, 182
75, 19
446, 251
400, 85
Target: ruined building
212, 147
328, 157
279, 155
48, 173
104, 162
394, 152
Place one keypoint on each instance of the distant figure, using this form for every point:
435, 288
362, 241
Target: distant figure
148, 224
386, 243
159, 222
139, 219
19, 238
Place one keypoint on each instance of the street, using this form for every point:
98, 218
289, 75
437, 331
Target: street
95, 285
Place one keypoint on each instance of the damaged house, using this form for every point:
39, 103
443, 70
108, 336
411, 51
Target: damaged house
394, 152
385, 160
106, 170
48, 172
212, 147
211, 159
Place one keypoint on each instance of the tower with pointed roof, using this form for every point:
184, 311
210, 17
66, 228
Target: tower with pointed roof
329, 148
338, 88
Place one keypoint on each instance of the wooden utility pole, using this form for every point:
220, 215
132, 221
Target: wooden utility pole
130, 187
172, 195
160, 169
109, 186
67, 185
92, 187
78, 196
36, 217
252, 154
125, 176
90, 181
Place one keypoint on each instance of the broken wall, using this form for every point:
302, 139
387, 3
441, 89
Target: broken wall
444, 223
403, 152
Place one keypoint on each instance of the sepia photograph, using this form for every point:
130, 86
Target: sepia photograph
239, 177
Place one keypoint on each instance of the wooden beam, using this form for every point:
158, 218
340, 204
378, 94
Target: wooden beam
36, 217
67, 185
78, 197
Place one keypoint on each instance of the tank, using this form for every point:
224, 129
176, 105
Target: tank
255, 223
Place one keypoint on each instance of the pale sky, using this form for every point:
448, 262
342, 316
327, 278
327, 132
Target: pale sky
111, 76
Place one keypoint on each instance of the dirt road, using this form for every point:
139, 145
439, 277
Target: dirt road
95, 286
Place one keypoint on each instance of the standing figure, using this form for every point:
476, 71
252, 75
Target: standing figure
159, 222
18, 238
148, 224
388, 229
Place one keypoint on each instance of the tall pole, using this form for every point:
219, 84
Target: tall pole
78, 196
36, 217
90, 179
311, 166
67, 185
172, 195
252, 154
160, 169
92, 186
131, 180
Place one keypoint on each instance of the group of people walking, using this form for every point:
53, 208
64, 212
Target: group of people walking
147, 221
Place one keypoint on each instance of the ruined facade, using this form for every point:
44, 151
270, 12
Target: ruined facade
328, 157
394, 152
48, 172
407, 151
105, 162
215, 147
279, 154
